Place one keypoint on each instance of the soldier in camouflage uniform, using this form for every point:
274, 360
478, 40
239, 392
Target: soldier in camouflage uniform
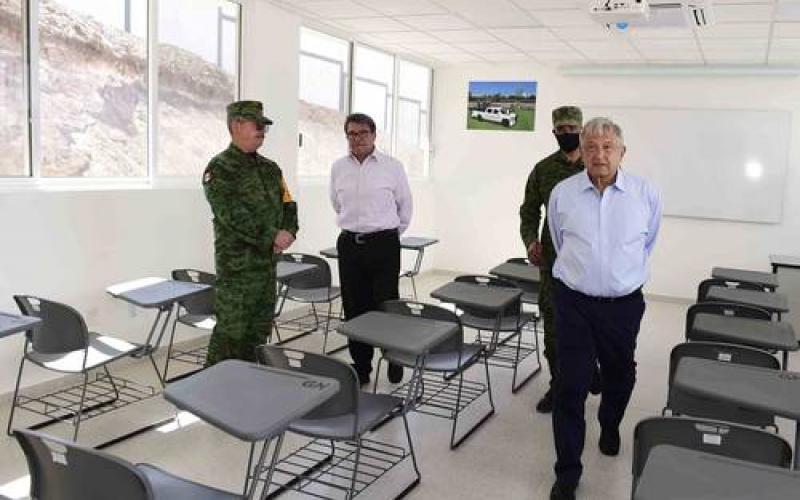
567, 124
255, 219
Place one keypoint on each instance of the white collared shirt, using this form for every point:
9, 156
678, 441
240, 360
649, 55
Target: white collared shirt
370, 196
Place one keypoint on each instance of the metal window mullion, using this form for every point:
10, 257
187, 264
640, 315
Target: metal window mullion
152, 89
239, 15
429, 142
395, 100
31, 51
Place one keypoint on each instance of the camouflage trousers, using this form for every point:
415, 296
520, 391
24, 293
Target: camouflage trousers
244, 309
547, 312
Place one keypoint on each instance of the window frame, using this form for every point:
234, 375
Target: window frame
31, 49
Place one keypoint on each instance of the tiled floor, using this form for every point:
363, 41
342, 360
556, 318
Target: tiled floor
511, 456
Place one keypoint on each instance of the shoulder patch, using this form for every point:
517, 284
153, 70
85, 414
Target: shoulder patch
287, 196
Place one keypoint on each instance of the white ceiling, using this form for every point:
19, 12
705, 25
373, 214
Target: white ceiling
558, 32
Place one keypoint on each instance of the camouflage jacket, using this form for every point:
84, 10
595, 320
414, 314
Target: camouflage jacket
250, 203
544, 177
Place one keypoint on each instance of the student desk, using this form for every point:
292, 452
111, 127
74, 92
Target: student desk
769, 335
673, 473
774, 391
775, 303
762, 279
251, 402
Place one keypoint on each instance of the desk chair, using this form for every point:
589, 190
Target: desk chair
62, 470
196, 311
706, 284
64, 344
313, 287
709, 436
345, 417
512, 321
450, 359
681, 403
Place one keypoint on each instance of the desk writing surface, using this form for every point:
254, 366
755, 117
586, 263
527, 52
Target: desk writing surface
479, 296
760, 278
784, 260
773, 391
396, 332
766, 334
14, 323
517, 272
771, 301
286, 270
157, 294
673, 473
416, 242
250, 401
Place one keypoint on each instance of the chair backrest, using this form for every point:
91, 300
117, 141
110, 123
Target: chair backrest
62, 470
62, 328
319, 277
728, 440
525, 286
201, 303
453, 343
513, 309
344, 402
682, 403
724, 309
706, 284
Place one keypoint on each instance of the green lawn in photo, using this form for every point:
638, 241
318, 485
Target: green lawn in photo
525, 122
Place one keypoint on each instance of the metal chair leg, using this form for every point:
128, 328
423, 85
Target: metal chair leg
352, 492
14, 398
77, 420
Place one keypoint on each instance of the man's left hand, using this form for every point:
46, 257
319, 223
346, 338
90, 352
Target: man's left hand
283, 240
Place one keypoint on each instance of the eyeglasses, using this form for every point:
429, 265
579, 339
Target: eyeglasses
357, 134
593, 149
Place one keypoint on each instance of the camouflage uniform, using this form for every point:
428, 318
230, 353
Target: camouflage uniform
250, 203
544, 177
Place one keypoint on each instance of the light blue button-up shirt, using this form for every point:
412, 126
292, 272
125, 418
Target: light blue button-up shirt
603, 240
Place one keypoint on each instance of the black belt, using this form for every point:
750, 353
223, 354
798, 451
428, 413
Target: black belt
593, 298
361, 238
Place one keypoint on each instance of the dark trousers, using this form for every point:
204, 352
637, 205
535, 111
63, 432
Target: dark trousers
591, 330
368, 272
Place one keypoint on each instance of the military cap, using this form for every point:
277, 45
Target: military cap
567, 115
249, 110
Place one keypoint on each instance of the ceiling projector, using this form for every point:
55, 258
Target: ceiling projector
619, 11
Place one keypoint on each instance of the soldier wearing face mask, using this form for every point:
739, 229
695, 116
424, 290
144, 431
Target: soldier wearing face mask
567, 125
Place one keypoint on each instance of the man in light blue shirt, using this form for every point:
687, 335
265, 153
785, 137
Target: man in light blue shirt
604, 224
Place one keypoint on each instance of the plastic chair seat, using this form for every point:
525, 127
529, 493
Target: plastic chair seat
101, 350
204, 321
323, 294
507, 323
439, 362
371, 409
167, 486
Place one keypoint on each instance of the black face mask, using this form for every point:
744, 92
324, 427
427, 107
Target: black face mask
568, 142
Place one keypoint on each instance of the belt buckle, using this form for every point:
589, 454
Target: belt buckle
358, 239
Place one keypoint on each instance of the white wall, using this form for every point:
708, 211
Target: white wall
480, 176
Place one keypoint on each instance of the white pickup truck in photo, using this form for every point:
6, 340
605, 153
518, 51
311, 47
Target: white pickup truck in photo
496, 114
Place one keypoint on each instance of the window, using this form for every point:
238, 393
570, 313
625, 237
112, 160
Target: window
92, 89
75, 101
324, 84
13, 118
373, 91
413, 102
197, 67
401, 115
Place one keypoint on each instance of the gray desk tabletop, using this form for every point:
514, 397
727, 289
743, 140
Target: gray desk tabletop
157, 293
680, 473
14, 323
517, 272
286, 270
396, 332
771, 301
482, 297
784, 261
249, 401
773, 391
417, 242
760, 278
757, 332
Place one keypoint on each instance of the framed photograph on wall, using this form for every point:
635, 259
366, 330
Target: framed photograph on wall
509, 105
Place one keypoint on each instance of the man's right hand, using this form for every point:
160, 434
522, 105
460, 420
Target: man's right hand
535, 253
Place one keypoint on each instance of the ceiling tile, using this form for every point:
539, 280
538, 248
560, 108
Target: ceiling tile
336, 9
743, 30
734, 44
406, 7
569, 17
524, 35
557, 55
403, 37
435, 22
786, 44
551, 4
589, 32
736, 57
743, 13
666, 44
473, 35
786, 30
641, 32
485, 47
370, 25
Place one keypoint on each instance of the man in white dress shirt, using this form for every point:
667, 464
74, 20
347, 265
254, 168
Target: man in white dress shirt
372, 200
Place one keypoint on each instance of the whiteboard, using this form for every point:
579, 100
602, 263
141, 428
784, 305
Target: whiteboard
708, 163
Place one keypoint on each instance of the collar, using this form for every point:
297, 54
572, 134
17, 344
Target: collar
620, 183
371, 156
